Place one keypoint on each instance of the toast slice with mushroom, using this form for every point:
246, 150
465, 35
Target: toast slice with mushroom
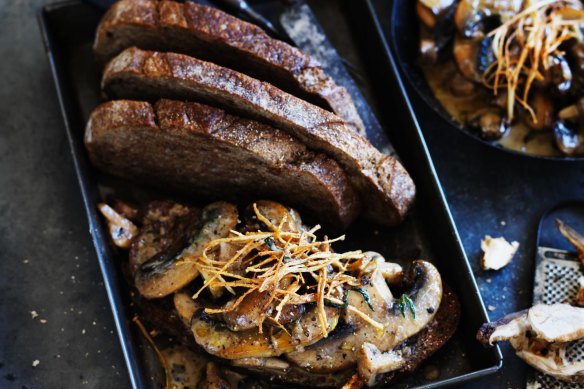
380, 180
201, 150
213, 35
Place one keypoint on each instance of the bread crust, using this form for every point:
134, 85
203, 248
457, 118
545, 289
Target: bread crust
381, 180
211, 34
194, 148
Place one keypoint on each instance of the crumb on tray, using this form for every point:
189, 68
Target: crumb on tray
497, 252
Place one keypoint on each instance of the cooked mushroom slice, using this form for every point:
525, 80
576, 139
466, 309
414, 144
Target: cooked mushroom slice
568, 138
466, 56
162, 222
122, 230
474, 19
187, 367
371, 362
557, 323
274, 212
573, 237
249, 312
425, 292
220, 341
164, 273
539, 336
185, 306
429, 49
430, 11
560, 74
489, 122
543, 108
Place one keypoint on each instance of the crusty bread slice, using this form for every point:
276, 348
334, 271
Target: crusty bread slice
381, 180
193, 148
216, 36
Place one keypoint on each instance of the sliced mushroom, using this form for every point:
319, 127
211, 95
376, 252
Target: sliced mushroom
474, 19
187, 367
544, 111
557, 323
122, 230
569, 139
185, 306
162, 222
164, 273
274, 212
466, 56
425, 291
264, 363
371, 362
248, 313
539, 336
220, 341
430, 11
489, 122
560, 74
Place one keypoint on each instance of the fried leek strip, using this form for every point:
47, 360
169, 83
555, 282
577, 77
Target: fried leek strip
524, 45
293, 267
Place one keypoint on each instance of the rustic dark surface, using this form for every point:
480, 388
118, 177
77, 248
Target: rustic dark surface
47, 262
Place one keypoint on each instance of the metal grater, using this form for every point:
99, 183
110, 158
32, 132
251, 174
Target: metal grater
556, 281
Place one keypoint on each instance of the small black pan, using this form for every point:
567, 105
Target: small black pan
405, 38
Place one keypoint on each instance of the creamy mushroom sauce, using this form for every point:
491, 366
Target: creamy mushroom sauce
438, 74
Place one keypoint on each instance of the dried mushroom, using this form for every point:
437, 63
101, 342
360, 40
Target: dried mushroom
541, 336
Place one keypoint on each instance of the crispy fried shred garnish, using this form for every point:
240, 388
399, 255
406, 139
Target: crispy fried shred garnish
525, 45
293, 267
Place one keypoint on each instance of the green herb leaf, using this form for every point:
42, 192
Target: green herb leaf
365, 296
406, 301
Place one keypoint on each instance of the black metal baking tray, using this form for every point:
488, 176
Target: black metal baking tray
68, 28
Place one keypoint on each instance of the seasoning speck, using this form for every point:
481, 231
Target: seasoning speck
35, 363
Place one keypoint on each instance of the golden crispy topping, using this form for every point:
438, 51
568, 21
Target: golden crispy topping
294, 267
525, 45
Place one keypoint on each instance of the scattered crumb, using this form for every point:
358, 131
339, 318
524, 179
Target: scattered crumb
43, 321
34, 314
503, 223
94, 323
375, 232
489, 280
491, 308
497, 252
83, 331
25, 261
35, 363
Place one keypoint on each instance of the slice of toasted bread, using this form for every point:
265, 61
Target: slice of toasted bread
193, 148
381, 181
214, 35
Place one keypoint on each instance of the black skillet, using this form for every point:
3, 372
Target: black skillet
404, 36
